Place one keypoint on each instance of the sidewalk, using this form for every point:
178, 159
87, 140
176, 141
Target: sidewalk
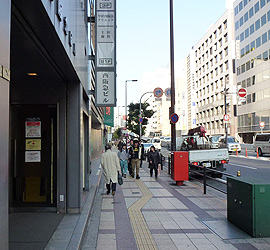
52, 231
156, 214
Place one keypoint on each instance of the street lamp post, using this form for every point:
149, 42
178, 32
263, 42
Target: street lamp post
172, 109
126, 99
149, 92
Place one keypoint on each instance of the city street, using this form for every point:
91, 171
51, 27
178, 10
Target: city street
248, 166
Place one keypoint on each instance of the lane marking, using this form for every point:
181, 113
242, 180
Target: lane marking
98, 172
242, 166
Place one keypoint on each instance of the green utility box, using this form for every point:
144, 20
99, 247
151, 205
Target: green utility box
248, 205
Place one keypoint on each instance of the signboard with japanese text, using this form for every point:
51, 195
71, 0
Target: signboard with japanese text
33, 144
105, 92
105, 21
32, 156
32, 129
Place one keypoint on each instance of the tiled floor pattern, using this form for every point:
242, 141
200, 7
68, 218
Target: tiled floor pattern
141, 232
172, 216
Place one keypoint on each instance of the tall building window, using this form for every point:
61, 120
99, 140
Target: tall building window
240, 6
241, 20
246, 17
251, 28
257, 24
263, 19
264, 38
268, 15
262, 3
257, 7
247, 33
258, 42
247, 49
251, 12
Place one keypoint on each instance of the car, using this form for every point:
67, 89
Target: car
147, 147
233, 144
156, 142
214, 141
166, 142
262, 143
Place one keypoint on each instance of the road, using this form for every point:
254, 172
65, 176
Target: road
248, 166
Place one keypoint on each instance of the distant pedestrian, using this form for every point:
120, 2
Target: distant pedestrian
135, 154
142, 153
129, 160
154, 161
110, 165
123, 157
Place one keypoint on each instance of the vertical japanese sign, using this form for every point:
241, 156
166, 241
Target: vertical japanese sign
105, 53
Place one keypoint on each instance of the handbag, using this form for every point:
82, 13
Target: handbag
120, 179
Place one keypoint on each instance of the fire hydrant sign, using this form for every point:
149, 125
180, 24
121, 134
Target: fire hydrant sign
105, 21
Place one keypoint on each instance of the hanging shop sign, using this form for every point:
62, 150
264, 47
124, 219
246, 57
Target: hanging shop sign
105, 21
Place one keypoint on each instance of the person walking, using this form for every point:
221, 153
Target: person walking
123, 157
110, 165
142, 153
154, 160
135, 154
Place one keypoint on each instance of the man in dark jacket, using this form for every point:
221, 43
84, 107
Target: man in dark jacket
142, 153
135, 153
154, 161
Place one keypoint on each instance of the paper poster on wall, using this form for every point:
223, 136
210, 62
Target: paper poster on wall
33, 144
32, 156
32, 129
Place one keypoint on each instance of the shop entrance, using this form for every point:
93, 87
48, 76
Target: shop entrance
34, 155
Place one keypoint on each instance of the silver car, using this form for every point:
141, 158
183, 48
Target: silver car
233, 144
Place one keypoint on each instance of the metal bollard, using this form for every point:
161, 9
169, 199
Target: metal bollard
204, 180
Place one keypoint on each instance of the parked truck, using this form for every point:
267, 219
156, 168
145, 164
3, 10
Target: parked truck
201, 153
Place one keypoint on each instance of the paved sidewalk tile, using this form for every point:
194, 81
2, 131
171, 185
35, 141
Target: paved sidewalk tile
173, 217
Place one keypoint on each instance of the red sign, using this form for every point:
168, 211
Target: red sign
158, 92
226, 118
242, 92
174, 118
262, 124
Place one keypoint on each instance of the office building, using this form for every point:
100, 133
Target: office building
211, 74
50, 127
252, 30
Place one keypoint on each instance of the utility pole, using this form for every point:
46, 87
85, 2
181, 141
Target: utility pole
172, 109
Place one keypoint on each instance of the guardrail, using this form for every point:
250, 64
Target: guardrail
204, 173
206, 176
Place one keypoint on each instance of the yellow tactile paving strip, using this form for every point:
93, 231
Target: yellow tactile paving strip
141, 231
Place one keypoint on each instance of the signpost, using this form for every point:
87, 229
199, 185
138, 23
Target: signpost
141, 120
167, 93
262, 124
158, 92
242, 92
105, 21
174, 118
226, 118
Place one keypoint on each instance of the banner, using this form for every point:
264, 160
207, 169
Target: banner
109, 116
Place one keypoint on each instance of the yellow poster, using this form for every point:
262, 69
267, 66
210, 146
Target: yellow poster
33, 144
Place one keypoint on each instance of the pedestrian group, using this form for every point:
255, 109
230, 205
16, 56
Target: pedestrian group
115, 164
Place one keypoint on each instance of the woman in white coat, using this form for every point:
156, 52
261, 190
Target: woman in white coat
110, 165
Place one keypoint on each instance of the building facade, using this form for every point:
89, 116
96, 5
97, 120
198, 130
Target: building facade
252, 29
213, 73
50, 126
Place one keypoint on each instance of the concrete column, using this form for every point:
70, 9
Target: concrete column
5, 15
62, 152
74, 185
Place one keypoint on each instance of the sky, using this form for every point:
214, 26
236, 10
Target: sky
143, 38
